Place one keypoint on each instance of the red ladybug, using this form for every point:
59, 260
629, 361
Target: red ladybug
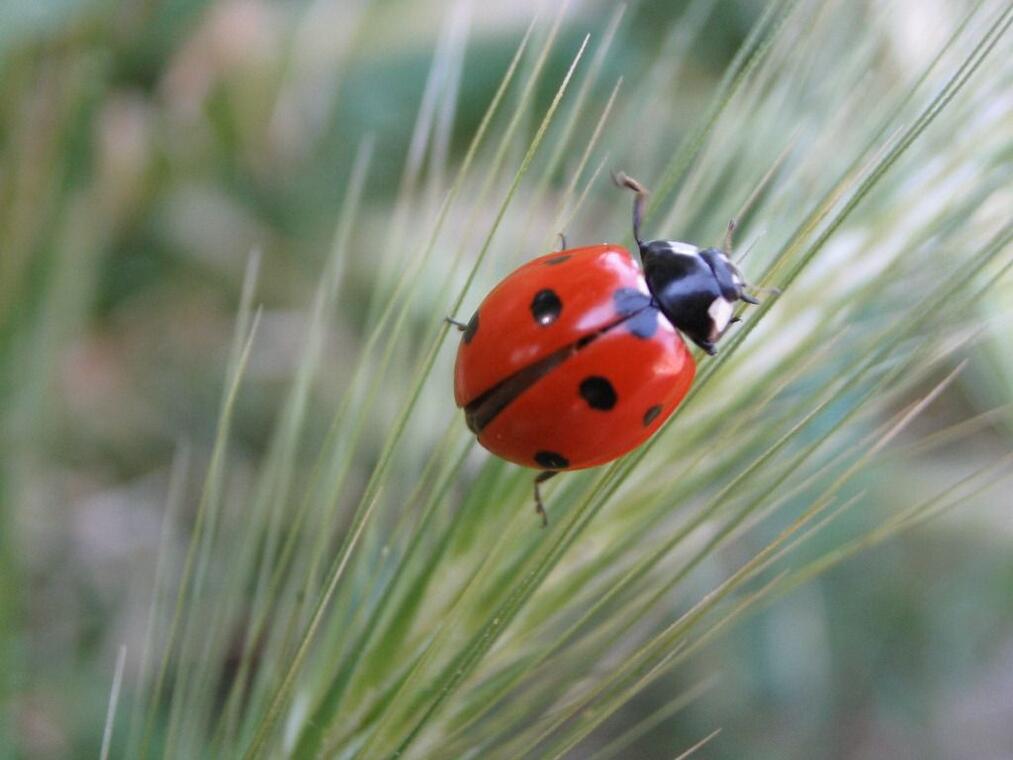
576, 358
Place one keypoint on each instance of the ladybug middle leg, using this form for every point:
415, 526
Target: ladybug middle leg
539, 506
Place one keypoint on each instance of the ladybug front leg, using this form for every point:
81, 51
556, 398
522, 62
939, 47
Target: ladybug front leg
539, 506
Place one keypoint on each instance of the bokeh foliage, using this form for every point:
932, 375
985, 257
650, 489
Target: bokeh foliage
313, 557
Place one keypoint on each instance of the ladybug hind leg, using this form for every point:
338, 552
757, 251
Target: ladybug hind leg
539, 506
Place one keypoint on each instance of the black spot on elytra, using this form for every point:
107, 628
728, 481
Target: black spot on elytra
551, 460
557, 259
652, 414
545, 307
598, 392
471, 329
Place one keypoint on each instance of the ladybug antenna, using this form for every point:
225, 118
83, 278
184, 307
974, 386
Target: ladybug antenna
745, 285
623, 180
728, 236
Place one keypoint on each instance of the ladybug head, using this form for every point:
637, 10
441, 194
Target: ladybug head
695, 289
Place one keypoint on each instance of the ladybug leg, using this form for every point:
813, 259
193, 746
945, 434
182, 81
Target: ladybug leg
459, 325
743, 285
621, 179
752, 299
562, 241
758, 289
539, 506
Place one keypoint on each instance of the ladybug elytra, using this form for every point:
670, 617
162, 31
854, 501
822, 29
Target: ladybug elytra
576, 358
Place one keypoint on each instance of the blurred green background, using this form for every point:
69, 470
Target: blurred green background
147, 147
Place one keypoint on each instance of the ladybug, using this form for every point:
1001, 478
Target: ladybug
576, 357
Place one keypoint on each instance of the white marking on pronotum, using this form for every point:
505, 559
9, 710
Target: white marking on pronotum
720, 312
686, 249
